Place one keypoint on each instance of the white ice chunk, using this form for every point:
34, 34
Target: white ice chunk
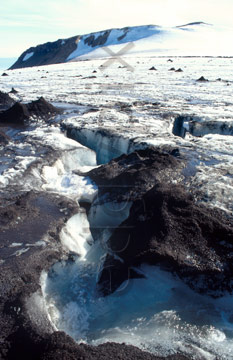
61, 179
76, 236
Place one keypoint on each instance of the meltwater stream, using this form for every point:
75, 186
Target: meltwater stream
159, 313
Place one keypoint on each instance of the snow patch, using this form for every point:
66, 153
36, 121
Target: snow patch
20, 252
28, 56
15, 245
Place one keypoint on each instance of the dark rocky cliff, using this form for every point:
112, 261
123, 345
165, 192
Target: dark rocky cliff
50, 53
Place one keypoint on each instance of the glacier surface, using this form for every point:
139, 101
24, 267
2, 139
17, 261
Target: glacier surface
116, 112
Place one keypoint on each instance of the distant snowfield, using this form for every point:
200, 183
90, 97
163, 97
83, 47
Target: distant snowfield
193, 40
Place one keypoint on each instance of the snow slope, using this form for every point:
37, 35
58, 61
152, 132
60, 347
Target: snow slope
115, 37
190, 40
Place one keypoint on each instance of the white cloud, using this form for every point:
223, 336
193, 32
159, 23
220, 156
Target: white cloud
162, 12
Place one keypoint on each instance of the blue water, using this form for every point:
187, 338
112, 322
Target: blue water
159, 314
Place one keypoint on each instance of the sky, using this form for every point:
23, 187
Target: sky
26, 23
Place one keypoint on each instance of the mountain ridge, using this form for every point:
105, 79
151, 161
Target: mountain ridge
148, 38
60, 50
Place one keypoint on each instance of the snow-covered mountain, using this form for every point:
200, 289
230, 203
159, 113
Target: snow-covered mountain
193, 39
